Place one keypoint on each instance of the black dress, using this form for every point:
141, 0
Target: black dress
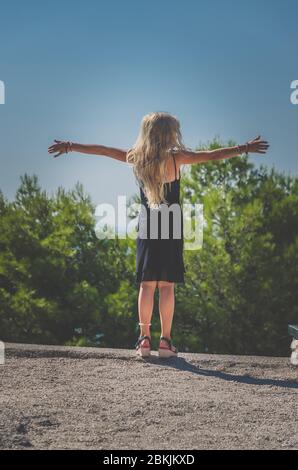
159, 251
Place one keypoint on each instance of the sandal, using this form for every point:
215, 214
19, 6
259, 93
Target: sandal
143, 346
167, 351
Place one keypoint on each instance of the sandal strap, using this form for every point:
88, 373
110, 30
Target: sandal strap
164, 338
141, 338
169, 341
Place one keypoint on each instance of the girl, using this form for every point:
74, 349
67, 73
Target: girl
157, 157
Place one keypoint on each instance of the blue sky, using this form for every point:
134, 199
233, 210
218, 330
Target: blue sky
89, 70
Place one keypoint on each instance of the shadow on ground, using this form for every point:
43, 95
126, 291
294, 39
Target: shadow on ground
181, 364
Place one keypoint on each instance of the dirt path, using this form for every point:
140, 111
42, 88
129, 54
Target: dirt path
88, 398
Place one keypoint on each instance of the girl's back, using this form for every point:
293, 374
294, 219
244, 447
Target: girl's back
160, 235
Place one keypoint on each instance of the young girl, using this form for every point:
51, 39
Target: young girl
157, 157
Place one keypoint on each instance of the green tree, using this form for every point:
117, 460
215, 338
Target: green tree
241, 287
54, 271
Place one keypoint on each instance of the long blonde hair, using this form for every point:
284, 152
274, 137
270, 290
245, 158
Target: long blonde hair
159, 135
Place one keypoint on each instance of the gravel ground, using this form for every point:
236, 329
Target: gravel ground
93, 398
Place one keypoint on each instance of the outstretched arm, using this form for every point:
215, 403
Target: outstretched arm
60, 147
254, 146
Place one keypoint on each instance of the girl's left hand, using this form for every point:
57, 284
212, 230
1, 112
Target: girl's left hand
257, 145
60, 146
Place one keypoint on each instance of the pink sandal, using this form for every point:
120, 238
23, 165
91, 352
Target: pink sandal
143, 344
167, 351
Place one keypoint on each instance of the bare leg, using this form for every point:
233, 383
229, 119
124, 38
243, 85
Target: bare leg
166, 306
145, 304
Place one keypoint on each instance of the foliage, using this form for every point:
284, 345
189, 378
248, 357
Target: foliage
60, 284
